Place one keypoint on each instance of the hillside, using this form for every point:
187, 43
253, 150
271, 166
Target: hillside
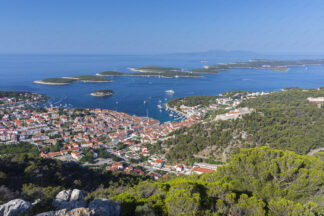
283, 120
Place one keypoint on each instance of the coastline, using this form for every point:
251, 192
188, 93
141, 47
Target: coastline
96, 95
48, 83
80, 80
153, 75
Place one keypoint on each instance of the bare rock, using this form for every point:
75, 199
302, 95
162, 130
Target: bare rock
73, 212
77, 195
105, 207
63, 195
68, 199
14, 207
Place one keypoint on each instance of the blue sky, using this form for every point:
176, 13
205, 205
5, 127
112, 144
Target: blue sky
160, 26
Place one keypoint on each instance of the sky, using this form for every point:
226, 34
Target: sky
160, 26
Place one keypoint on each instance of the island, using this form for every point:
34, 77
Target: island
69, 80
110, 73
154, 69
102, 93
153, 72
88, 78
279, 65
54, 81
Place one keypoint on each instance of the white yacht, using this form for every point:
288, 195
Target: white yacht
170, 91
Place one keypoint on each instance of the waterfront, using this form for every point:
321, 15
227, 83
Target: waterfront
19, 71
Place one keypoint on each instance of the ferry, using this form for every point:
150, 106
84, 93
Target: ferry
169, 91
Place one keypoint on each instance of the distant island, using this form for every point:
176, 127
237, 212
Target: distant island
171, 72
54, 81
110, 73
279, 65
102, 93
156, 71
89, 78
69, 80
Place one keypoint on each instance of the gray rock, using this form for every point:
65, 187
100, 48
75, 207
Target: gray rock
104, 207
50, 213
14, 207
68, 199
73, 212
64, 195
76, 195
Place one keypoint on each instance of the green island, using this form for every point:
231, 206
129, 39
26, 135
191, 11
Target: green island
102, 93
154, 69
55, 81
69, 80
163, 74
89, 78
110, 73
279, 65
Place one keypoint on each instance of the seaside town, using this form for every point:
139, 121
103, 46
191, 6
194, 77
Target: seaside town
101, 137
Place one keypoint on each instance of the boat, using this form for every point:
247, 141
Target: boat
144, 102
159, 106
170, 91
203, 61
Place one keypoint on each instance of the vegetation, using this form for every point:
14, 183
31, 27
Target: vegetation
263, 63
111, 73
91, 78
155, 69
283, 120
192, 101
260, 181
204, 70
58, 80
21, 148
32, 177
102, 92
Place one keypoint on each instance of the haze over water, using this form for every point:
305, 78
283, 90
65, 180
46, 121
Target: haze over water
19, 71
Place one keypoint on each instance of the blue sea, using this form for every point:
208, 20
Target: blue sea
18, 72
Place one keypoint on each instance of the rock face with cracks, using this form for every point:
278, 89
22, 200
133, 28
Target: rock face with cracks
14, 207
66, 202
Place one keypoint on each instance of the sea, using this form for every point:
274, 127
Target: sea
141, 95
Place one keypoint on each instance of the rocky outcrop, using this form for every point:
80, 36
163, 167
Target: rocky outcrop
66, 202
69, 199
14, 207
73, 212
104, 207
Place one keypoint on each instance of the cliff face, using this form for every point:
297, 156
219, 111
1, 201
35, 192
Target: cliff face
66, 202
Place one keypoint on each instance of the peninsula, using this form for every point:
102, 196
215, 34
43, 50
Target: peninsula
102, 93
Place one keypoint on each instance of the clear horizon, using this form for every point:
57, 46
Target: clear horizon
161, 27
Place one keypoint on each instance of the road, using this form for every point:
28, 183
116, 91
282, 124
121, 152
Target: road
312, 152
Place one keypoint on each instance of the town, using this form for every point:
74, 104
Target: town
115, 140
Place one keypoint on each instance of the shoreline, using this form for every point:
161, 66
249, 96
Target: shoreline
48, 83
80, 80
96, 95
153, 75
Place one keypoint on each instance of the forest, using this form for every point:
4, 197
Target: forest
283, 120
